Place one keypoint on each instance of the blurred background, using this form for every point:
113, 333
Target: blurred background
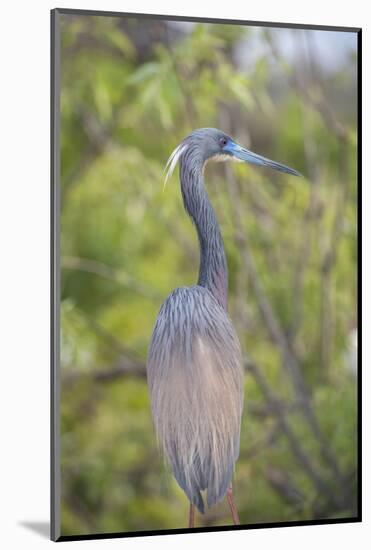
131, 90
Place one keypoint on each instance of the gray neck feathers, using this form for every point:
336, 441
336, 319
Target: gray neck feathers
213, 273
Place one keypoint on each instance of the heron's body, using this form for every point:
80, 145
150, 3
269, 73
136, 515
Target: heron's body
197, 392
194, 363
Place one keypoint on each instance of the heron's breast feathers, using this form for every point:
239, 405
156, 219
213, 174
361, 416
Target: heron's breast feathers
196, 387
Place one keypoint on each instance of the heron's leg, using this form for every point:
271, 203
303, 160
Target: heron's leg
191, 523
236, 519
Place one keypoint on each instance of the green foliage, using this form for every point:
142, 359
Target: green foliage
127, 100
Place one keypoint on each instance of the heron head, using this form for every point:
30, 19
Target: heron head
211, 144
218, 146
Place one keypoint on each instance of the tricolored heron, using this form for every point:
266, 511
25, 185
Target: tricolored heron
194, 362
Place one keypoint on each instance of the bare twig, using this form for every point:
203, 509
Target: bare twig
300, 77
329, 260
295, 446
285, 487
263, 443
117, 276
124, 367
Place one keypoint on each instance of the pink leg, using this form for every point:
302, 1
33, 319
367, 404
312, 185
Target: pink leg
236, 519
191, 523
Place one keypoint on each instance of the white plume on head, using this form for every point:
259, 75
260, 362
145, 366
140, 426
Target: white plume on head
172, 160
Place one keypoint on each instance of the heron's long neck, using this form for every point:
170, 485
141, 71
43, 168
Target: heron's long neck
213, 272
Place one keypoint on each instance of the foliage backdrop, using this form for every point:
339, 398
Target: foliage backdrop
131, 90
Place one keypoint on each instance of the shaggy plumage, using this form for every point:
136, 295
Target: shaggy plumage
195, 381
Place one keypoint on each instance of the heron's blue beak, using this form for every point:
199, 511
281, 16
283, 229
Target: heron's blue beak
247, 156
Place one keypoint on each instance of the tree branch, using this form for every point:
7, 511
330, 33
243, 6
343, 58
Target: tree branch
119, 277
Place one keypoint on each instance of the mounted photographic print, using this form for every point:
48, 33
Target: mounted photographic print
205, 186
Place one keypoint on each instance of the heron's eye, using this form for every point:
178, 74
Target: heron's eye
223, 141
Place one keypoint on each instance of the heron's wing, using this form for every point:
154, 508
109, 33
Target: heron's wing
196, 387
